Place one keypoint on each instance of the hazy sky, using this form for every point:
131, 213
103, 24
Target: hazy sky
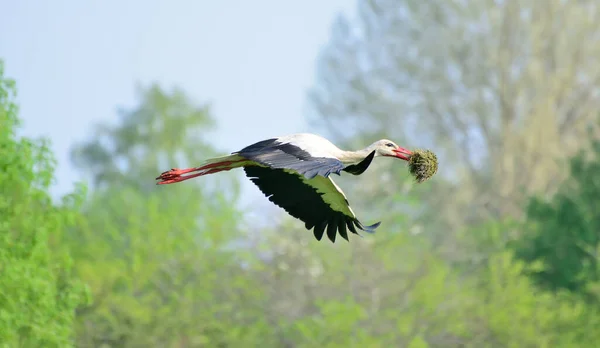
75, 62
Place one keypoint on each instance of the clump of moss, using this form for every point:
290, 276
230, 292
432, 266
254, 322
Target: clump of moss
422, 164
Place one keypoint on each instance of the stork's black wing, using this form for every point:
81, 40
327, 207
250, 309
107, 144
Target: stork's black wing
359, 168
274, 154
318, 202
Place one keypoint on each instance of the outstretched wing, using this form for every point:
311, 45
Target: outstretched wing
275, 154
317, 201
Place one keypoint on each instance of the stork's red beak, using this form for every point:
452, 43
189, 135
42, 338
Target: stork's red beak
402, 153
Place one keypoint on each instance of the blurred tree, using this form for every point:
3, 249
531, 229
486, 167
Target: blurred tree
38, 292
164, 129
358, 294
507, 310
499, 89
502, 91
162, 261
563, 243
384, 291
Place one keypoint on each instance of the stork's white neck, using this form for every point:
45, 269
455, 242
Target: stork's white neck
354, 157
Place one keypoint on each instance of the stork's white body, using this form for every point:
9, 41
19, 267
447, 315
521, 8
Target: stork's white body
293, 171
315, 145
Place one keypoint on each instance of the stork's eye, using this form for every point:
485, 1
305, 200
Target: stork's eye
390, 145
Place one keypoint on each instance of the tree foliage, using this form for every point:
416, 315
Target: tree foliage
159, 258
563, 242
388, 291
38, 292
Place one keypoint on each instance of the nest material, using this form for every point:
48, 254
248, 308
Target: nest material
422, 164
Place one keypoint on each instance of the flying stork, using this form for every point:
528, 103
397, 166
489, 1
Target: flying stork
294, 171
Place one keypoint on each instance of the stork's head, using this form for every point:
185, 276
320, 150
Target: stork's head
388, 148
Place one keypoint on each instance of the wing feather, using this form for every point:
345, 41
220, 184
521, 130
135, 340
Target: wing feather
275, 154
318, 202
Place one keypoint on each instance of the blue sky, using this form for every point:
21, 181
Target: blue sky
75, 62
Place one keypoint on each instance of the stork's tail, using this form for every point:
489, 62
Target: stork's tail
210, 166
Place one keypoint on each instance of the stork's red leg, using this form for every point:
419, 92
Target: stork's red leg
177, 175
172, 177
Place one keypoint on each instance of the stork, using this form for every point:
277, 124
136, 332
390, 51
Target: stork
293, 172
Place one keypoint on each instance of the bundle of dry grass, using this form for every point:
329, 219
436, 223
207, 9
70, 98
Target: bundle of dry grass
422, 164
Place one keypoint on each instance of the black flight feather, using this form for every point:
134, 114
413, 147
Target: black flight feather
359, 168
304, 202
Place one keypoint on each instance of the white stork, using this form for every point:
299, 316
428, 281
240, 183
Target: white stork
293, 171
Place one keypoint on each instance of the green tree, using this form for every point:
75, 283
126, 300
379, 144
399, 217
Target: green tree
163, 262
379, 291
387, 290
562, 242
38, 292
507, 309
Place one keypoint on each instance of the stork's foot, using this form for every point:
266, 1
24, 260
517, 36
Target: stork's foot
173, 175
174, 172
176, 175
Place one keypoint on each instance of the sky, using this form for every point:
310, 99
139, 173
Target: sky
76, 62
